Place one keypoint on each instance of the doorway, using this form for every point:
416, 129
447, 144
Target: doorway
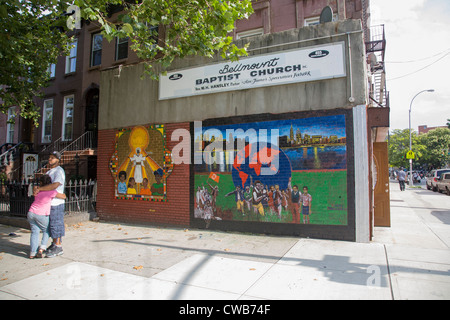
91, 123
382, 205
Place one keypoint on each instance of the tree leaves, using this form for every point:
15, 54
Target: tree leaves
32, 35
161, 31
430, 149
29, 42
437, 144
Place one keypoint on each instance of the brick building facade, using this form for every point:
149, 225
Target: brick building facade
131, 114
173, 212
325, 140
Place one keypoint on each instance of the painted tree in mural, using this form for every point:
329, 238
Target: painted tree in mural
32, 36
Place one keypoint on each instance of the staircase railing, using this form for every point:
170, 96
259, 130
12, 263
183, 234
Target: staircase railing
81, 144
12, 152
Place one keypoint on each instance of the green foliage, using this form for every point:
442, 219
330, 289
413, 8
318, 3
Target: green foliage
29, 42
160, 31
399, 146
437, 143
431, 149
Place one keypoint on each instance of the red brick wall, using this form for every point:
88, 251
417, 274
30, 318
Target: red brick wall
175, 211
280, 15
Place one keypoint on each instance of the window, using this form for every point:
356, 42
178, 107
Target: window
121, 48
47, 118
96, 54
250, 33
68, 118
153, 32
71, 59
10, 125
316, 20
51, 70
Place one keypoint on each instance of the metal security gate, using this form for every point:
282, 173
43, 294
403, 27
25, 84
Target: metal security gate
16, 197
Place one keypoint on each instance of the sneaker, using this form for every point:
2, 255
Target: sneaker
49, 248
53, 252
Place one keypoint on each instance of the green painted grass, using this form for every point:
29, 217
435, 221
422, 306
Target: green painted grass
328, 190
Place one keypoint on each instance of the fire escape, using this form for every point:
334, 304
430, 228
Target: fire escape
375, 51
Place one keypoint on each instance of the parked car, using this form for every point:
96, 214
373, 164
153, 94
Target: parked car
433, 177
443, 184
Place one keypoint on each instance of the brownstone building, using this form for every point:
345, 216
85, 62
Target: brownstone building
69, 117
425, 129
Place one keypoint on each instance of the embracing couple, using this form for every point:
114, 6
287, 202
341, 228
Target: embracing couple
46, 213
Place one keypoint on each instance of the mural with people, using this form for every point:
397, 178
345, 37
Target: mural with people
284, 171
141, 163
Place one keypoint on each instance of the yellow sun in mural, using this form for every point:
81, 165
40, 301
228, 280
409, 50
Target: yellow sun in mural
141, 163
138, 157
139, 138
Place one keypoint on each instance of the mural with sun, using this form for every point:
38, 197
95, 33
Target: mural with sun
141, 163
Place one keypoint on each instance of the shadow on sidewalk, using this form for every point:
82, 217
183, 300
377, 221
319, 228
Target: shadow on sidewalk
443, 215
335, 268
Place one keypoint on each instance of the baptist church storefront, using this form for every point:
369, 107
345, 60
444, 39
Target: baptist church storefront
275, 143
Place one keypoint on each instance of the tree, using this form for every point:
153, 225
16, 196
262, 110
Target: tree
160, 31
437, 144
29, 43
448, 123
399, 145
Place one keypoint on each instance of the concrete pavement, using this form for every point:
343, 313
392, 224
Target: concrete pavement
410, 260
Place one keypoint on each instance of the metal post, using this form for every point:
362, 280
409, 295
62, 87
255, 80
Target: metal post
410, 135
77, 165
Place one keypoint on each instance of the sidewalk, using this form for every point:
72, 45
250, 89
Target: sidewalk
410, 260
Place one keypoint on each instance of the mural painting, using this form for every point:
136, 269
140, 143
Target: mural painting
284, 171
141, 163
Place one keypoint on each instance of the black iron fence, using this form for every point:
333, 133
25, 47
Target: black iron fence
16, 197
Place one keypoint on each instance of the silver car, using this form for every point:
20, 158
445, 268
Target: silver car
443, 184
433, 177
